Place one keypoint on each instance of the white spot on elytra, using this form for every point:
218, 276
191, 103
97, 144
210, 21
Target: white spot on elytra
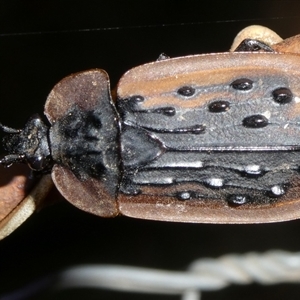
215, 182
267, 114
297, 99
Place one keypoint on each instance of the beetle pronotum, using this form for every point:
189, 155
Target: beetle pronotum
211, 138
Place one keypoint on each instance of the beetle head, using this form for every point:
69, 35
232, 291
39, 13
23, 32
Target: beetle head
28, 145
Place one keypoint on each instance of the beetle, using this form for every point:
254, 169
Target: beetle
210, 138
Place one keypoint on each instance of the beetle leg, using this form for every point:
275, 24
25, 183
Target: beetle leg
10, 159
249, 45
256, 32
7, 129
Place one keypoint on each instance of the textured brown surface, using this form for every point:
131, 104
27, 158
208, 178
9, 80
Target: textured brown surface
85, 90
81, 88
90, 195
14, 185
210, 210
290, 45
158, 81
30, 204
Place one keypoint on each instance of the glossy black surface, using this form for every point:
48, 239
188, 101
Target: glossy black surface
242, 84
186, 91
253, 46
255, 121
28, 145
219, 106
282, 95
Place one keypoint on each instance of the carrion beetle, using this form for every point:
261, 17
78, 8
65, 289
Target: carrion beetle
210, 138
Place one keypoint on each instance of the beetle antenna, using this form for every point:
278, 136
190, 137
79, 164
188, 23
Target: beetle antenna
7, 129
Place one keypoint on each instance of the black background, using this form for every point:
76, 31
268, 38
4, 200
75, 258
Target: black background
43, 41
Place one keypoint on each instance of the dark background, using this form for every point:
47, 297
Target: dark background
43, 41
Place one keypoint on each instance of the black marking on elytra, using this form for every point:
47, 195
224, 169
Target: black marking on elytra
253, 171
129, 104
186, 91
242, 84
255, 121
282, 95
185, 195
188, 195
195, 129
219, 106
238, 199
166, 111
